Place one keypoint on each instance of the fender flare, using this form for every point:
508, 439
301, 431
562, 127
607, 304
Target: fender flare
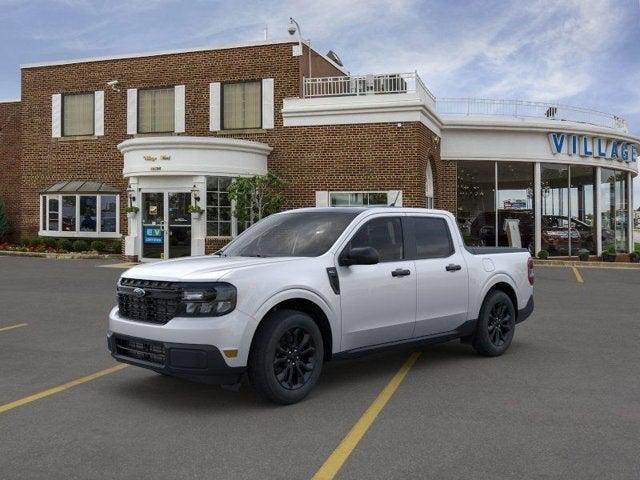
488, 285
293, 294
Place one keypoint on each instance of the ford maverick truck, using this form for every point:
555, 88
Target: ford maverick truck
303, 287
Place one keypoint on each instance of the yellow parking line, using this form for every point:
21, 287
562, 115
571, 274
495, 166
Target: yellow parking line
60, 388
124, 265
576, 272
334, 463
4, 329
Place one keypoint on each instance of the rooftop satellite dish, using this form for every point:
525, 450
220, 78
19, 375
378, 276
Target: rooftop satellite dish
334, 56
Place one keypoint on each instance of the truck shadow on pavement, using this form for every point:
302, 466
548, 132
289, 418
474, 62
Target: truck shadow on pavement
339, 379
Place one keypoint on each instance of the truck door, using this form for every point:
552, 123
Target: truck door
442, 277
378, 301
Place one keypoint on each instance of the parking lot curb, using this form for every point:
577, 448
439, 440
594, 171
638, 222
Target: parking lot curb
59, 256
571, 263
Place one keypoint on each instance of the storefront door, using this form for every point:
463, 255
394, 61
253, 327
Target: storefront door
166, 225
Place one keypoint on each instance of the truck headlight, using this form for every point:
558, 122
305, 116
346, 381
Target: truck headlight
208, 300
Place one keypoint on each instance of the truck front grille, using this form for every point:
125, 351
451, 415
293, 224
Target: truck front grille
139, 349
148, 301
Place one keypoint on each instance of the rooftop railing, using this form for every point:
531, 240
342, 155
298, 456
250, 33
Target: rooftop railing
526, 109
399, 83
356, 85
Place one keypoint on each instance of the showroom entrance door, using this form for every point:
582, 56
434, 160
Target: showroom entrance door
166, 225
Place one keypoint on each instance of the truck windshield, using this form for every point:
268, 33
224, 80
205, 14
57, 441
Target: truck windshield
295, 234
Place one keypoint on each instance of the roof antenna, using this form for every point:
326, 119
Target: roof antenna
393, 204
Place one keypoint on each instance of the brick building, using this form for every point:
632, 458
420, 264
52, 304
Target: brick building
161, 131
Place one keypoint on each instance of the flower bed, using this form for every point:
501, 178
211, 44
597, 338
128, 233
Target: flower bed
50, 246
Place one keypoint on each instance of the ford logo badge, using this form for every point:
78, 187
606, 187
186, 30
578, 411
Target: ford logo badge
139, 292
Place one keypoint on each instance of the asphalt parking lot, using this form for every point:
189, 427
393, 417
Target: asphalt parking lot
564, 402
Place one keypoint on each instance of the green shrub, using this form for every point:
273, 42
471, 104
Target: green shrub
98, 246
116, 246
543, 254
25, 242
65, 244
80, 246
634, 257
35, 241
49, 242
583, 254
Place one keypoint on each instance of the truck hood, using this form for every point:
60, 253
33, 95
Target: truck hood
198, 269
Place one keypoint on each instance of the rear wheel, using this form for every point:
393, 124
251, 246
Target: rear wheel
496, 325
286, 357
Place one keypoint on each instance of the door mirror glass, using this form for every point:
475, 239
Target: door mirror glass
359, 256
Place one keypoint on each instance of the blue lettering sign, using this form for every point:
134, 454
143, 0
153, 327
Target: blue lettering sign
153, 235
614, 150
586, 147
624, 151
634, 153
573, 146
557, 142
601, 147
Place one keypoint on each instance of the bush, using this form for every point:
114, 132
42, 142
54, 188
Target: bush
609, 255
65, 244
80, 246
583, 254
98, 246
634, 257
116, 246
49, 242
34, 242
25, 242
543, 254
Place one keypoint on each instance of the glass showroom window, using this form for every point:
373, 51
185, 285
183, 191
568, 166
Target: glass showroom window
477, 202
615, 217
156, 110
582, 195
78, 114
218, 207
358, 199
516, 219
78, 215
241, 105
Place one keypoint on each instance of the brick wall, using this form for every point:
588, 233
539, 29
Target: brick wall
337, 157
9, 161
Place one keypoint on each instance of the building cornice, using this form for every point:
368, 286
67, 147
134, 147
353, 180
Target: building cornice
190, 143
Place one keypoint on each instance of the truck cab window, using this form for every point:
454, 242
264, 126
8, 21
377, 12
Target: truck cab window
432, 238
384, 234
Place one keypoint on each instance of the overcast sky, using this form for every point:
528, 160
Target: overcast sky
581, 52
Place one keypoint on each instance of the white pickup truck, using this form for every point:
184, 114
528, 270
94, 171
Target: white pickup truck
305, 286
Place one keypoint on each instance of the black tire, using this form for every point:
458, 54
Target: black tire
286, 357
496, 325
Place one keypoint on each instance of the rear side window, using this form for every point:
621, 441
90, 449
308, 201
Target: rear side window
384, 234
432, 237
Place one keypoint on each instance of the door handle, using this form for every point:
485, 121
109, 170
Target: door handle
401, 272
452, 268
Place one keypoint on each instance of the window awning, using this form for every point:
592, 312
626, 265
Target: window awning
81, 186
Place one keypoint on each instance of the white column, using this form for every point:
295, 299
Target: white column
199, 225
630, 212
537, 202
598, 209
132, 244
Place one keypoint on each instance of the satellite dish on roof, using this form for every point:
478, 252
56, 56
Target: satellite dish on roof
334, 56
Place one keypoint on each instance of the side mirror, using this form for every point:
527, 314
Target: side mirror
359, 256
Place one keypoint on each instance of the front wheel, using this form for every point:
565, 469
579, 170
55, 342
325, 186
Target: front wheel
286, 357
496, 325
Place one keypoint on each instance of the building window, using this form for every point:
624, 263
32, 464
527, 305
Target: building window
156, 110
477, 202
614, 210
78, 215
78, 114
516, 221
219, 220
241, 105
358, 199
429, 187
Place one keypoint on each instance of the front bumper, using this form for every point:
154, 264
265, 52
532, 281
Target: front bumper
200, 363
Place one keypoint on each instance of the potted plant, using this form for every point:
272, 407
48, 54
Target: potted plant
543, 254
195, 211
583, 255
132, 211
610, 254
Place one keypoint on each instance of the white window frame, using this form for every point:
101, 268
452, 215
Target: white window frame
44, 227
386, 192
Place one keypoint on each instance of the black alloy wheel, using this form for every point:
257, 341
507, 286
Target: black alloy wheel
501, 322
295, 358
496, 325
